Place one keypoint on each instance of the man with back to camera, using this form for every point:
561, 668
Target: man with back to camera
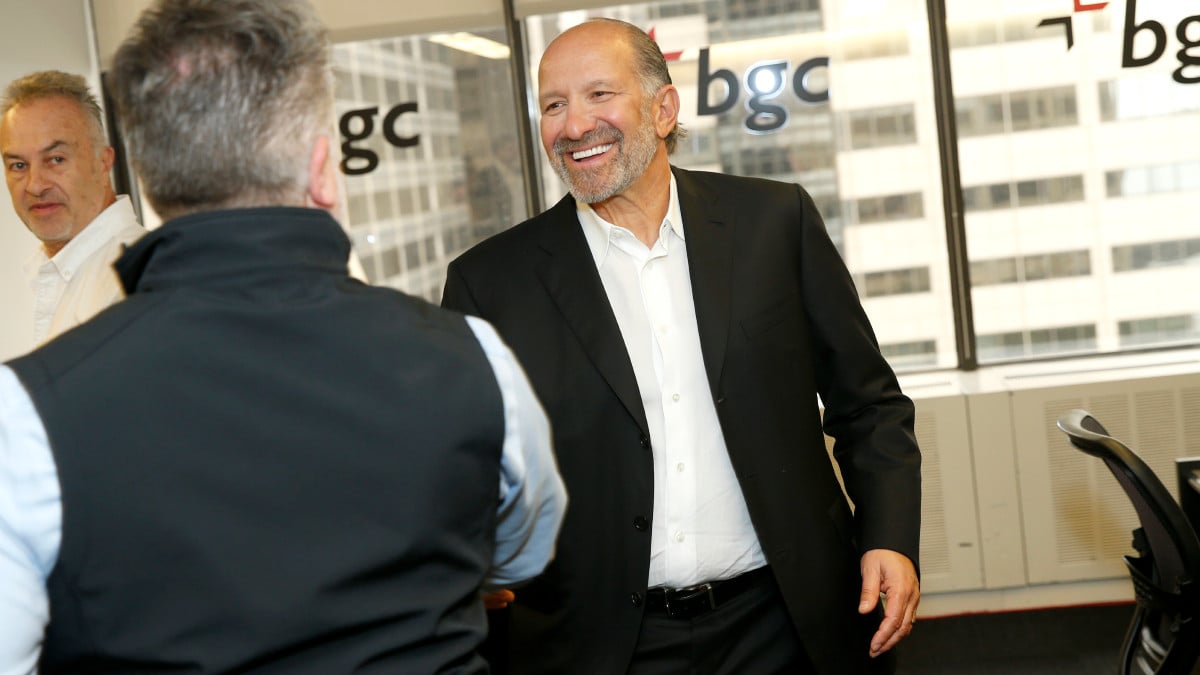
678, 325
56, 163
255, 463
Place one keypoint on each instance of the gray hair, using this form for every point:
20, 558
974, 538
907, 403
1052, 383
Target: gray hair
221, 100
651, 68
55, 83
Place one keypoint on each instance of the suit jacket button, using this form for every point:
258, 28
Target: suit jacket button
640, 523
635, 599
644, 440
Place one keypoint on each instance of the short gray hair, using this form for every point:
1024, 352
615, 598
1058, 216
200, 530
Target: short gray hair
651, 68
55, 83
221, 100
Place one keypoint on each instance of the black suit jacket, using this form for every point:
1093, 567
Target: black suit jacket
779, 323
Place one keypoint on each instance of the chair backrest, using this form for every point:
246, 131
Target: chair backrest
1164, 637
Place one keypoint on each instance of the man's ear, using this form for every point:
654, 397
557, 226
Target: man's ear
322, 176
666, 109
107, 157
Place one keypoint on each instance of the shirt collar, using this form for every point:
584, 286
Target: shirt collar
79, 250
599, 232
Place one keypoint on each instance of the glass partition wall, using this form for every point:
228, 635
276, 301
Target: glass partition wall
429, 152
1079, 174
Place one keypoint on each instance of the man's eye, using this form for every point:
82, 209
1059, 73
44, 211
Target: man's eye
553, 106
16, 166
57, 160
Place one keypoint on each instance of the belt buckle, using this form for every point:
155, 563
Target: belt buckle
685, 601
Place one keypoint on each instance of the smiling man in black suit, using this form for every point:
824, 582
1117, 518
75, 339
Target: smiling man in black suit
678, 327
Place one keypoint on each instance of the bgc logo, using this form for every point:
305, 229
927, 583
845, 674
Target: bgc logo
764, 81
365, 159
1151, 28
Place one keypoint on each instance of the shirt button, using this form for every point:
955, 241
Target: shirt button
635, 599
679, 537
640, 523
679, 467
674, 397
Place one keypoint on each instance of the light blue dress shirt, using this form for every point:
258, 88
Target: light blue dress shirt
532, 502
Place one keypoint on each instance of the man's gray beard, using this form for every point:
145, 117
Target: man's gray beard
631, 163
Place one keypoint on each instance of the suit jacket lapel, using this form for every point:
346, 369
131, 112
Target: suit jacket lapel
570, 277
708, 228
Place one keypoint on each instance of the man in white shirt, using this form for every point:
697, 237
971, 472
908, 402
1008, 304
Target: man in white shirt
56, 163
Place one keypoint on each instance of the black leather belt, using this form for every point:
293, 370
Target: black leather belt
686, 603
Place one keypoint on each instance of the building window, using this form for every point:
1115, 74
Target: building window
1038, 341
994, 271
1030, 268
894, 282
1157, 329
1148, 180
875, 45
909, 206
1035, 192
1016, 111
1141, 96
910, 354
1156, 254
1057, 265
880, 127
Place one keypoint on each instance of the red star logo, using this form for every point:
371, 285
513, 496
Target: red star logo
674, 56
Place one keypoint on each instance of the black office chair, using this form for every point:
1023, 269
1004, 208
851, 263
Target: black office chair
1164, 635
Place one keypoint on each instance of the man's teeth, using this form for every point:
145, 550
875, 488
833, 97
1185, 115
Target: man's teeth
590, 152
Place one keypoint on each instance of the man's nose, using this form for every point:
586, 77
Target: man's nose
36, 181
579, 121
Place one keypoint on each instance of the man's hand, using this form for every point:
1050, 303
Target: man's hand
498, 599
893, 576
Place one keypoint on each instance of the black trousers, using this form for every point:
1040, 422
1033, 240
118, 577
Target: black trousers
751, 634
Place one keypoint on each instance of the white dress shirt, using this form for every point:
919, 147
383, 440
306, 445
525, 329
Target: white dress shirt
532, 502
701, 528
79, 280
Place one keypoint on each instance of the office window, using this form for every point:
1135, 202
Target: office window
1031, 137
1150, 180
1156, 254
831, 142
1016, 111
1024, 193
1139, 96
910, 354
1036, 342
880, 127
1139, 332
964, 34
890, 207
875, 45
419, 204
992, 272
893, 282
1030, 268
1057, 265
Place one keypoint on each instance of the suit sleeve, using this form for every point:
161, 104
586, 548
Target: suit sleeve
869, 418
456, 295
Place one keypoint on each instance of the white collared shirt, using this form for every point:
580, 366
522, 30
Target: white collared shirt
701, 528
79, 280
